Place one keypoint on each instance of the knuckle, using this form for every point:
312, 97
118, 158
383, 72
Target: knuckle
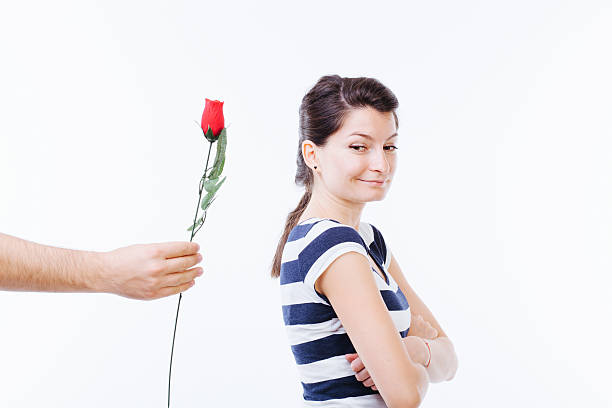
147, 294
156, 252
157, 268
152, 284
175, 281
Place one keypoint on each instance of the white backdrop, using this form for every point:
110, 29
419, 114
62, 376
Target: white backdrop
499, 213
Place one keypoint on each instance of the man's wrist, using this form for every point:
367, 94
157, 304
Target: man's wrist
96, 272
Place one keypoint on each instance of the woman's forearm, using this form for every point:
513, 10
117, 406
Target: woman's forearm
443, 364
422, 383
28, 266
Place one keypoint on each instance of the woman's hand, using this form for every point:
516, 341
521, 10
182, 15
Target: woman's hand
362, 373
416, 349
420, 328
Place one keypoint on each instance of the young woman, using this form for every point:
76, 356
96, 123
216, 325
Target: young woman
346, 305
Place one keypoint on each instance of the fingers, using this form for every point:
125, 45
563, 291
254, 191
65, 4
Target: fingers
180, 278
363, 375
178, 248
357, 365
173, 290
423, 328
432, 332
351, 357
182, 263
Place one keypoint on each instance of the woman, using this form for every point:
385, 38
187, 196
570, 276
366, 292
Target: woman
346, 304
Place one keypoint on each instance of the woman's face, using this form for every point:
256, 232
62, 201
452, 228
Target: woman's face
358, 155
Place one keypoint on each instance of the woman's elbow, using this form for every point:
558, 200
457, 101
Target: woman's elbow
410, 398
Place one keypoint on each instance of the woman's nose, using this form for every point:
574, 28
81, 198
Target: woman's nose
380, 161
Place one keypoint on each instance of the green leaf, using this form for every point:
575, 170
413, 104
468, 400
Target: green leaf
215, 187
220, 156
210, 196
219, 168
210, 184
197, 224
210, 203
206, 199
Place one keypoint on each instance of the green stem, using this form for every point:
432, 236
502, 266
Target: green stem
200, 197
193, 231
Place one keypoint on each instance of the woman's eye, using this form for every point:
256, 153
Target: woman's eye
355, 147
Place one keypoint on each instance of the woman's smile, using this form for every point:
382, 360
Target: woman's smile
373, 182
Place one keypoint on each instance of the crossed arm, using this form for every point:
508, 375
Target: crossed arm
443, 365
395, 365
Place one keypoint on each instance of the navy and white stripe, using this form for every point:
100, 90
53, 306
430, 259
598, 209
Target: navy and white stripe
316, 335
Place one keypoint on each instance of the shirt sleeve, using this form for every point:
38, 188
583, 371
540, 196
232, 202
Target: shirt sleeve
383, 247
325, 248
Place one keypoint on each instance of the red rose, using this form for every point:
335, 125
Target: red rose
213, 117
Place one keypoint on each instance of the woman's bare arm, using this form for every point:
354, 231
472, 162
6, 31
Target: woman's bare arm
443, 365
350, 287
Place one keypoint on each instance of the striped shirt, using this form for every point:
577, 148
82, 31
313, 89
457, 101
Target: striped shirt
316, 335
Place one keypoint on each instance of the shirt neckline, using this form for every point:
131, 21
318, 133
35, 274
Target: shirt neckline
331, 219
382, 269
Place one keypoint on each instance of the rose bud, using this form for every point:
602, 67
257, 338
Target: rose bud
212, 119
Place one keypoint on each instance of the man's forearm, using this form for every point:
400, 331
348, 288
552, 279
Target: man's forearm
28, 266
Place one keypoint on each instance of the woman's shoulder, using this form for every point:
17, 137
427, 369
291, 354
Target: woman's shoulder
319, 231
310, 229
313, 244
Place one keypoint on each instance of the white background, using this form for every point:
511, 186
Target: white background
500, 213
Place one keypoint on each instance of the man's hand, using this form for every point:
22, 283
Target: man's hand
149, 271
415, 347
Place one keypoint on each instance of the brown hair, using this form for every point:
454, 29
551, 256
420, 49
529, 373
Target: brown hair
322, 113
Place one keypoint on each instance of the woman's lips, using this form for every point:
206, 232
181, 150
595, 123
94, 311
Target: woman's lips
373, 182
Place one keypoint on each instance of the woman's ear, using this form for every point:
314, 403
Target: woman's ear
309, 153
